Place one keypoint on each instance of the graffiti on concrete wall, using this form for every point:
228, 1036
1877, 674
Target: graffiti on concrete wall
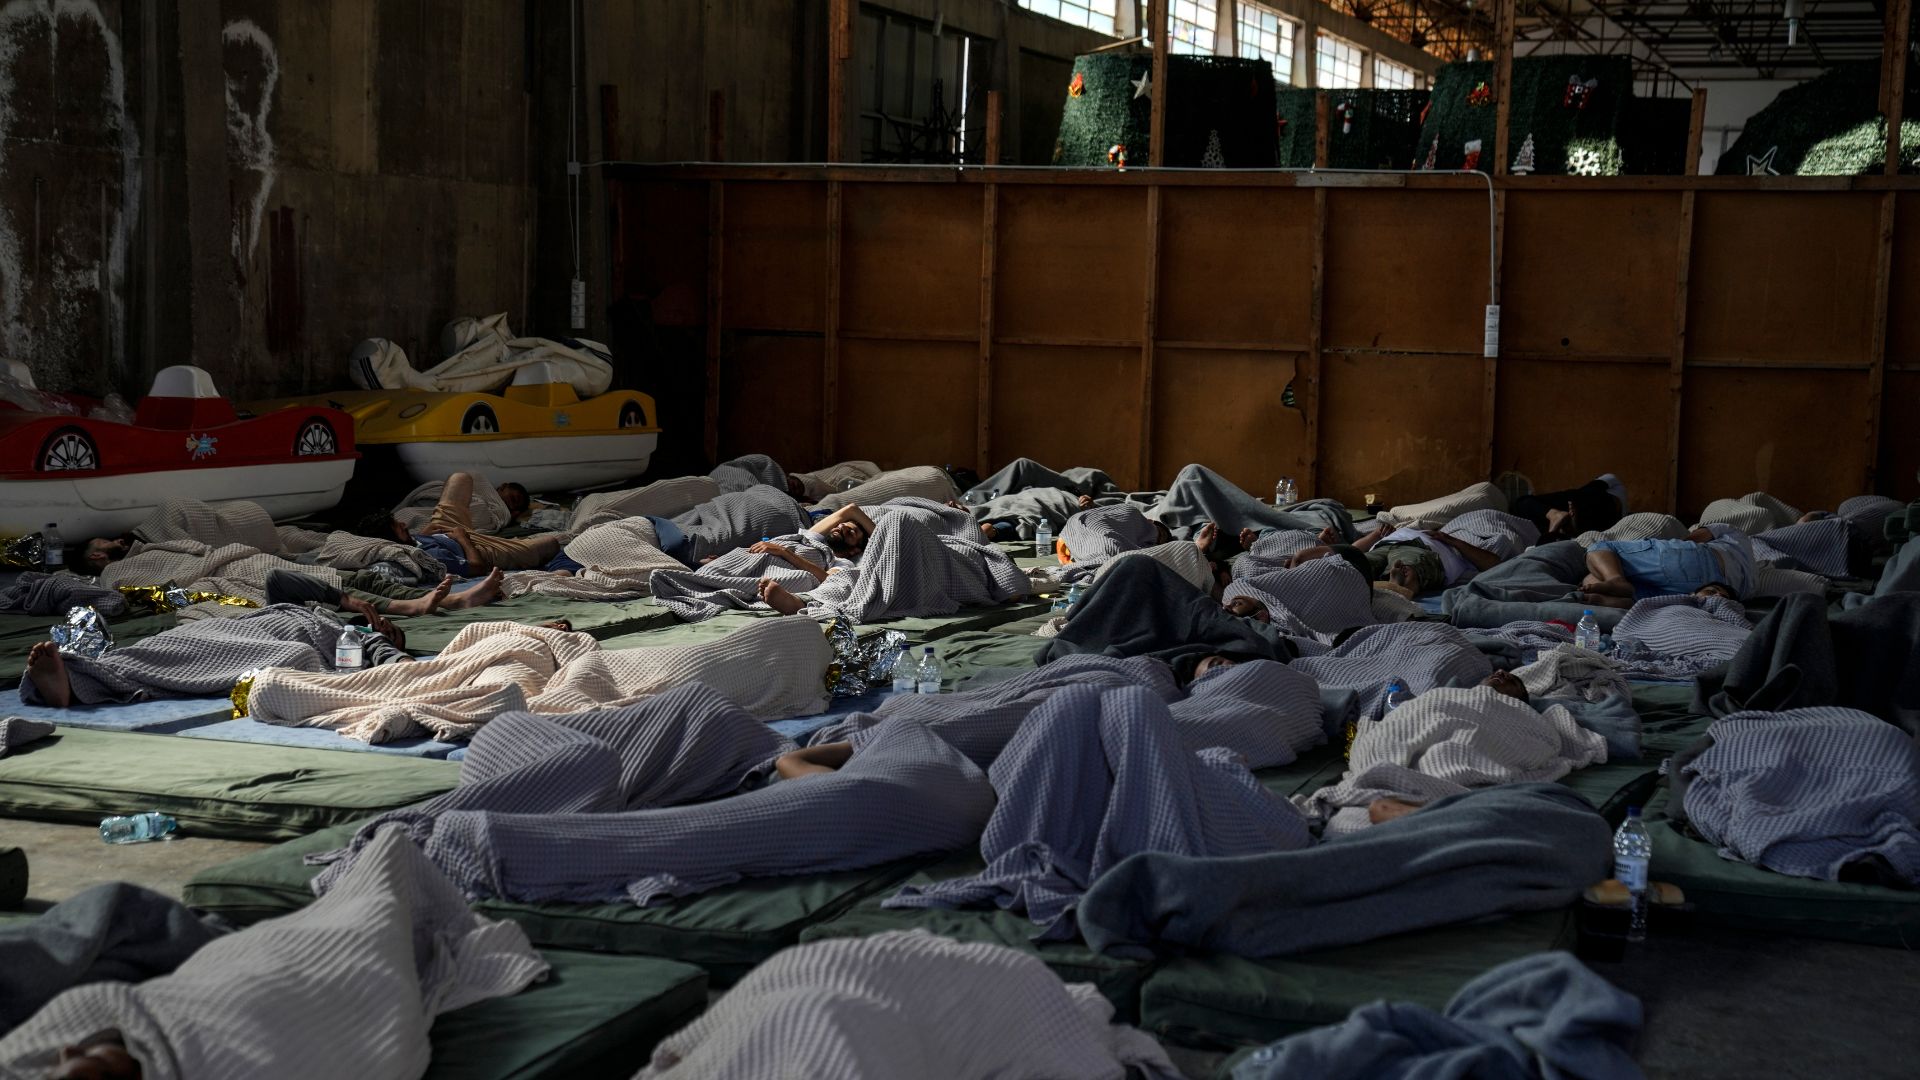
65, 231
252, 77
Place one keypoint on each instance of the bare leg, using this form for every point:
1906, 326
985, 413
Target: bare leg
423, 605
776, 596
480, 595
48, 670
1380, 810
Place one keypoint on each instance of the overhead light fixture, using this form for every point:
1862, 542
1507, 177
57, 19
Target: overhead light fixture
1794, 10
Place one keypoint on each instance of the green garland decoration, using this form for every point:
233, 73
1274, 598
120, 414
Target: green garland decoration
1205, 95
1829, 126
1592, 141
1384, 127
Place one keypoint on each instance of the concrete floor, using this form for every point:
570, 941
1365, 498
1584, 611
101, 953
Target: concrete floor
1719, 1004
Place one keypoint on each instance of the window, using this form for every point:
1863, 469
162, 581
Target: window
1388, 75
1092, 14
1336, 63
1190, 26
917, 91
1264, 35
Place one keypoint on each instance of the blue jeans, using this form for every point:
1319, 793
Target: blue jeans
447, 550
1665, 567
673, 541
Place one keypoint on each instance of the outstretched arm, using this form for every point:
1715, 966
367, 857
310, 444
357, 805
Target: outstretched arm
789, 556
1481, 558
814, 760
1378, 534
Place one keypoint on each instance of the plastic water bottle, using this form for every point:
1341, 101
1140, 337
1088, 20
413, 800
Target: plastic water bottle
905, 678
1285, 493
1397, 695
1632, 854
52, 555
1043, 540
134, 828
350, 651
930, 672
1587, 634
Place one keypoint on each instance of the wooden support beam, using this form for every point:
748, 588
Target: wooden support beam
1677, 362
989, 249
1322, 136
716, 310
1696, 127
1490, 365
717, 125
1307, 379
1893, 76
993, 128
1503, 23
1882, 312
1150, 328
1157, 140
830, 368
839, 51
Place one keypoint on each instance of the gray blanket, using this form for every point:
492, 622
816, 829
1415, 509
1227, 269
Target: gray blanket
1026, 474
1798, 656
1519, 847
34, 593
1678, 637
1092, 777
1423, 655
731, 582
737, 519
1539, 586
687, 745
18, 731
906, 793
1825, 793
1827, 546
1097, 535
1541, 1016
203, 657
745, 473
108, 933
1199, 495
907, 570
1027, 509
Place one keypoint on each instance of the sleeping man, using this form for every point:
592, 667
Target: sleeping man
1714, 560
450, 536
1423, 562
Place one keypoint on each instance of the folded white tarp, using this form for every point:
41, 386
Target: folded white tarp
482, 355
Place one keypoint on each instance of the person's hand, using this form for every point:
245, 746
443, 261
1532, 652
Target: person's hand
768, 547
383, 626
1085, 501
1328, 536
1247, 537
1205, 537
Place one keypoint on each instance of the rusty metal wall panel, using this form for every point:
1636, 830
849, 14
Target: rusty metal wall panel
1903, 312
1071, 263
1404, 427
1900, 436
770, 398
1406, 270
660, 253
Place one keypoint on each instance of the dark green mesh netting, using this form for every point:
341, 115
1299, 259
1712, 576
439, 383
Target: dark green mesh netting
1380, 133
1209, 98
1614, 133
1829, 126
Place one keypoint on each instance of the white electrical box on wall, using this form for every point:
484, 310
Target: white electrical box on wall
1492, 347
580, 304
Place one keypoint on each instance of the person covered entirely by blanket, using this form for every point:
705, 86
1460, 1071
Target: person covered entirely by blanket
770, 668
1822, 792
451, 537
1010, 504
1263, 711
1678, 637
906, 570
1420, 655
1143, 607
1199, 496
1093, 776
1316, 599
348, 986
750, 471
690, 744
191, 660
906, 793
1447, 741
928, 482
882, 1008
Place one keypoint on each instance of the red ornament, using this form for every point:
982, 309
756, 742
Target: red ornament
1577, 93
1346, 118
1424, 110
1480, 96
1472, 160
1078, 86
1117, 155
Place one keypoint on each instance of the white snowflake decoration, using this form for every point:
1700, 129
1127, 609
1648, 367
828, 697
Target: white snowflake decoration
1583, 161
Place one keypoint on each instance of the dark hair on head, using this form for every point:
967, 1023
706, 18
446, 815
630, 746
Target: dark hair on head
1355, 558
378, 524
518, 489
76, 553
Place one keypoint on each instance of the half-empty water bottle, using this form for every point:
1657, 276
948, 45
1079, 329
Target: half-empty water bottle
134, 828
1285, 493
350, 651
52, 555
1043, 540
905, 677
1632, 858
1587, 634
930, 673
1397, 695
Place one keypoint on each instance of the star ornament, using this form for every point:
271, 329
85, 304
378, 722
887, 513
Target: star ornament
1143, 86
1763, 165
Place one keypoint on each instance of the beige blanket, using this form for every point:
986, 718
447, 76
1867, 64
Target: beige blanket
231, 570
617, 559
215, 526
773, 668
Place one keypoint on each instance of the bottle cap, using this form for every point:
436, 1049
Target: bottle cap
1633, 811
1587, 612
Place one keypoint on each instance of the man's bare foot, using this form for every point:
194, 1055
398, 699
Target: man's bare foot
556, 624
1380, 810
1247, 537
480, 595
776, 596
419, 605
1205, 537
48, 670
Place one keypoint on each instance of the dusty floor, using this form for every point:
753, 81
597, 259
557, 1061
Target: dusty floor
1719, 1004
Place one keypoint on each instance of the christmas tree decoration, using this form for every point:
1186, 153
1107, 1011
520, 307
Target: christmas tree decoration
1523, 161
1834, 125
1370, 128
1078, 86
1480, 96
1346, 117
1433, 154
1213, 158
1763, 165
1200, 94
1578, 93
1142, 86
1630, 134
1117, 155
1472, 159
